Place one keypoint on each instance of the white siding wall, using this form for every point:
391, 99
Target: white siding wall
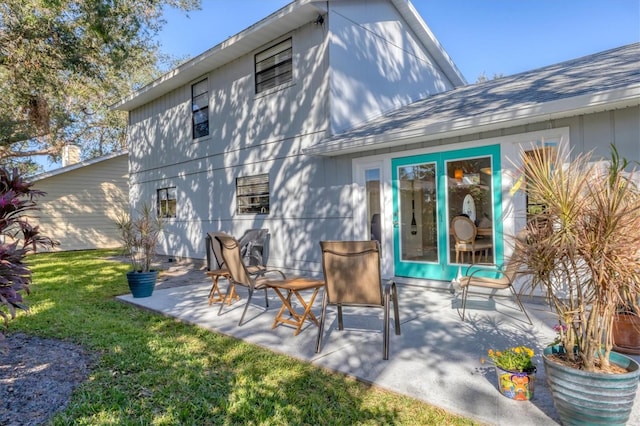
81, 205
249, 134
377, 63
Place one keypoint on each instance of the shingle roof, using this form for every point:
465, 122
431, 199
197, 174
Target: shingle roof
563, 89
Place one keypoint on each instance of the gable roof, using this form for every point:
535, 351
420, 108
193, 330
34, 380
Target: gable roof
279, 23
78, 165
597, 82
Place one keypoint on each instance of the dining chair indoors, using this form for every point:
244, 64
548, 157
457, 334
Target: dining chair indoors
465, 233
352, 278
239, 273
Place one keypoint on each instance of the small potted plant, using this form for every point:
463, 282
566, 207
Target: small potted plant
582, 253
140, 236
515, 370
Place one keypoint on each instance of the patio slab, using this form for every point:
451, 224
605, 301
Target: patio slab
436, 359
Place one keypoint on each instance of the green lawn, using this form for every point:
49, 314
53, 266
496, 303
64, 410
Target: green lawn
154, 370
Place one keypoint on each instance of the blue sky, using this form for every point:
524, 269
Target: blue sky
490, 36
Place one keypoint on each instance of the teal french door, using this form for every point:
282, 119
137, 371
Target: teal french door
428, 191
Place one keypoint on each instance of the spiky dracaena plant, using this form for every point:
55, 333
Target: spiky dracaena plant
140, 235
583, 249
17, 201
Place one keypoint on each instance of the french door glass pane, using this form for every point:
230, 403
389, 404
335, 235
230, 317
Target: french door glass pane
469, 193
418, 212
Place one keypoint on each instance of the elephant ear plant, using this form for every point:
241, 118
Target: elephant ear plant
582, 250
19, 238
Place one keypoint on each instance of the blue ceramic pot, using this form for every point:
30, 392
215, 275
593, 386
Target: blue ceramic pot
142, 284
587, 398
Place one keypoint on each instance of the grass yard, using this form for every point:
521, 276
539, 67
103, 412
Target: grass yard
153, 370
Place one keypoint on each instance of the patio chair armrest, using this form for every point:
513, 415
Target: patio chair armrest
389, 284
496, 269
273, 271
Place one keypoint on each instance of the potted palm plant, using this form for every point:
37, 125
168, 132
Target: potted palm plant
582, 251
140, 235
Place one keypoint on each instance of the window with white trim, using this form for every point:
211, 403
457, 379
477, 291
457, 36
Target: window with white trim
167, 200
252, 194
274, 66
200, 108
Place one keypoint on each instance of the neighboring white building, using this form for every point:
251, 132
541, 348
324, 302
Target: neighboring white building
82, 202
333, 120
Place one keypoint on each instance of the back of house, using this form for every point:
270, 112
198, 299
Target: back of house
346, 120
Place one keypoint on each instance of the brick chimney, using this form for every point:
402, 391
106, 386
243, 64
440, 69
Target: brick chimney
70, 154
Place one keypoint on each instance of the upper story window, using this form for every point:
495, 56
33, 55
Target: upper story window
200, 108
274, 66
252, 193
167, 202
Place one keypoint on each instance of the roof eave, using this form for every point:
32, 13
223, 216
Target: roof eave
277, 24
522, 115
77, 165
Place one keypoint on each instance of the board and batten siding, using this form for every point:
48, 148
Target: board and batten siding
310, 196
377, 63
81, 205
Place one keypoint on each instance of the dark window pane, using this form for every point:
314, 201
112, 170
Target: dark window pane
200, 109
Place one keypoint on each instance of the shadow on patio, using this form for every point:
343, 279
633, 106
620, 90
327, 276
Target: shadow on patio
436, 359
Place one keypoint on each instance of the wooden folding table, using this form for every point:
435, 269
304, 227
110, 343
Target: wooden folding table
215, 295
294, 286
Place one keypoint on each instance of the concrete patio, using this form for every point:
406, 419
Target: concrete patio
436, 359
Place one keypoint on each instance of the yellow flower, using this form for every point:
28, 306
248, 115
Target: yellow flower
517, 358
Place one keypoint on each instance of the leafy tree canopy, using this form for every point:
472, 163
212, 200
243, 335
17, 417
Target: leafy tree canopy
63, 62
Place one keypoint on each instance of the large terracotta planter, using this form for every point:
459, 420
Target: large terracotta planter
142, 284
583, 397
626, 334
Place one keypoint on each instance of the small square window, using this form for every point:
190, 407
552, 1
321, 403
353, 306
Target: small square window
274, 66
200, 109
252, 193
167, 199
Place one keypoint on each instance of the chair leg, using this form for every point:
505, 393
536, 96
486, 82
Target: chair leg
465, 291
246, 305
396, 315
340, 323
321, 327
266, 299
390, 296
228, 294
520, 304
385, 330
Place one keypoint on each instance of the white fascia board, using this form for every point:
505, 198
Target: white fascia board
281, 22
429, 40
517, 116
